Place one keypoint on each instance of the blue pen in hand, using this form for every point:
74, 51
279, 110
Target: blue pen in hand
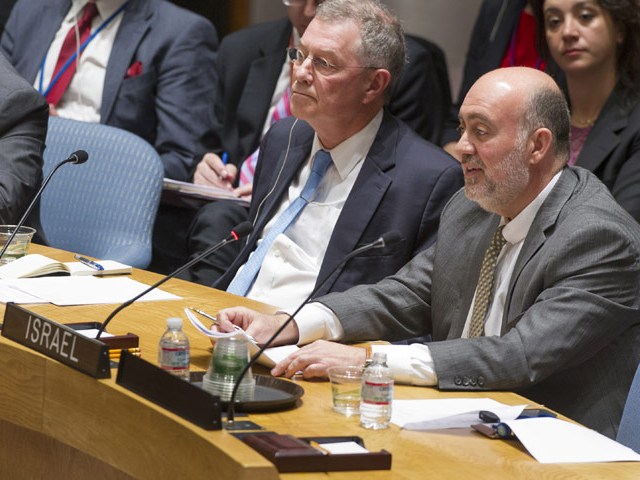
224, 158
89, 263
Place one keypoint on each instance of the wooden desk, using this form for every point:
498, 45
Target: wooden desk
56, 422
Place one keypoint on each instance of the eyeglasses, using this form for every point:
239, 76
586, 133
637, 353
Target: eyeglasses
320, 65
299, 3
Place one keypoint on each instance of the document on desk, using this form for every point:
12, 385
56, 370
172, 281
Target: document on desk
447, 412
86, 290
9, 293
550, 440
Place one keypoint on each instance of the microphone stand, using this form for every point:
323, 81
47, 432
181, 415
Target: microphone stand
77, 157
237, 233
385, 240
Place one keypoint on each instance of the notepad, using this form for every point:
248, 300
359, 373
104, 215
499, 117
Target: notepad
36, 265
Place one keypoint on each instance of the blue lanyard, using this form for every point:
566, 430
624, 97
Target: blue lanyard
71, 59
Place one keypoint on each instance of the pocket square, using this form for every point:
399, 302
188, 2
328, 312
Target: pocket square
134, 70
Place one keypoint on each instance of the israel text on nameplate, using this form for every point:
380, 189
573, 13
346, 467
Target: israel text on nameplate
56, 341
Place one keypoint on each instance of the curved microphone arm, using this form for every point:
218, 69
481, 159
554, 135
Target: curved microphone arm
385, 240
77, 158
237, 233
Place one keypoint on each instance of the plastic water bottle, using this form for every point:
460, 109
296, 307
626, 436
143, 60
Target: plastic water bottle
377, 393
173, 350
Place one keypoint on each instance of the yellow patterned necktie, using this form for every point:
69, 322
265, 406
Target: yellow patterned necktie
484, 291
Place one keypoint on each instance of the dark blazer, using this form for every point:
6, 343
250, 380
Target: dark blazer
250, 61
23, 128
612, 150
403, 185
571, 324
170, 104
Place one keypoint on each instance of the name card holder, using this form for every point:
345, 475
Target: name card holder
56, 341
176, 395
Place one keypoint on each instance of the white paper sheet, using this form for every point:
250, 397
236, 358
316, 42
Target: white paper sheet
447, 412
87, 290
9, 293
550, 440
269, 357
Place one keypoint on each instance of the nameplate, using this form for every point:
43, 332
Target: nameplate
178, 396
56, 341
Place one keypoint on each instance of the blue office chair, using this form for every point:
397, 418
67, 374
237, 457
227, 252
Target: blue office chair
106, 207
629, 431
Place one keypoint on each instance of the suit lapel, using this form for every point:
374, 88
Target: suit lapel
603, 138
546, 219
49, 21
293, 163
368, 190
135, 23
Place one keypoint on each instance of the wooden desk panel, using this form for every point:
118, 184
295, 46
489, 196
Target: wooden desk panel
69, 425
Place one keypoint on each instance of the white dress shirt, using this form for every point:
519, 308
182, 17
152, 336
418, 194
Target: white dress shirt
413, 364
83, 99
291, 266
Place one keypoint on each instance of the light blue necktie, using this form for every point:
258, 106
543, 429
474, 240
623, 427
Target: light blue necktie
243, 281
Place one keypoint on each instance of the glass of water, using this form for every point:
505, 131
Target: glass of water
346, 383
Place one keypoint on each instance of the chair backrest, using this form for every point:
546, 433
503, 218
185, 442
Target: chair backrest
105, 207
629, 431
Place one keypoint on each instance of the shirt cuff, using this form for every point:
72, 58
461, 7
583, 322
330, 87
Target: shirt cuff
316, 321
410, 364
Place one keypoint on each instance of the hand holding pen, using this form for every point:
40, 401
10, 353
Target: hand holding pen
214, 170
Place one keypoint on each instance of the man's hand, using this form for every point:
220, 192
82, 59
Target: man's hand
314, 359
245, 191
258, 325
211, 171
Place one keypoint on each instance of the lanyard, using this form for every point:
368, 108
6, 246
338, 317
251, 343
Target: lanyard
71, 59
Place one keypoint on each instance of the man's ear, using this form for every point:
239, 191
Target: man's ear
379, 80
540, 145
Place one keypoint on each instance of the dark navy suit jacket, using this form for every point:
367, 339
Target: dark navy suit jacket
249, 64
403, 185
170, 104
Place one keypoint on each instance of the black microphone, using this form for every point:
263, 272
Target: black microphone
389, 238
241, 230
76, 157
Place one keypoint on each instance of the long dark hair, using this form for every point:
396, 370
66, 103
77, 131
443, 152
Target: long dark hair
626, 17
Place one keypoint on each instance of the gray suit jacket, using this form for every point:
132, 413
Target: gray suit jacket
23, 127
571, 326
170, 104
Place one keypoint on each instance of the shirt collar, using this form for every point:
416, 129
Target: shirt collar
105, 7
516, 230
354, 149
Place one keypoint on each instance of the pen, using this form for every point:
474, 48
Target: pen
215, 320
89, 263
224, 158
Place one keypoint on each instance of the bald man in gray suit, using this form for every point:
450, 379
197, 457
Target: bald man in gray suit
562, 322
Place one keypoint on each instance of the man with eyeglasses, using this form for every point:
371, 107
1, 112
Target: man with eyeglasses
377, 175
254, 76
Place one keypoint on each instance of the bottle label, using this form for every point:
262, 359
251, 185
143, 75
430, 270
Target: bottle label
377, 393
174, 358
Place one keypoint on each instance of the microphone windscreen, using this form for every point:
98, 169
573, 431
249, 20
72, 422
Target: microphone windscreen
242, 229
391, 238
79, 157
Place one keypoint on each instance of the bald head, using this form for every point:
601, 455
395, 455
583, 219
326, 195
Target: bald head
515, 138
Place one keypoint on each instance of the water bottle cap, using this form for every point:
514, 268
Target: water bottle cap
380, 357
174, 323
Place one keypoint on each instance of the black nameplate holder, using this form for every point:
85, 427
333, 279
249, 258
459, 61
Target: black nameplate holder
176, 395
56, 341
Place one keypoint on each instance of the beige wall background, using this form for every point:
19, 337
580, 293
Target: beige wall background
445, 22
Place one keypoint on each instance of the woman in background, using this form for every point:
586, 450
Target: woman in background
596, 44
